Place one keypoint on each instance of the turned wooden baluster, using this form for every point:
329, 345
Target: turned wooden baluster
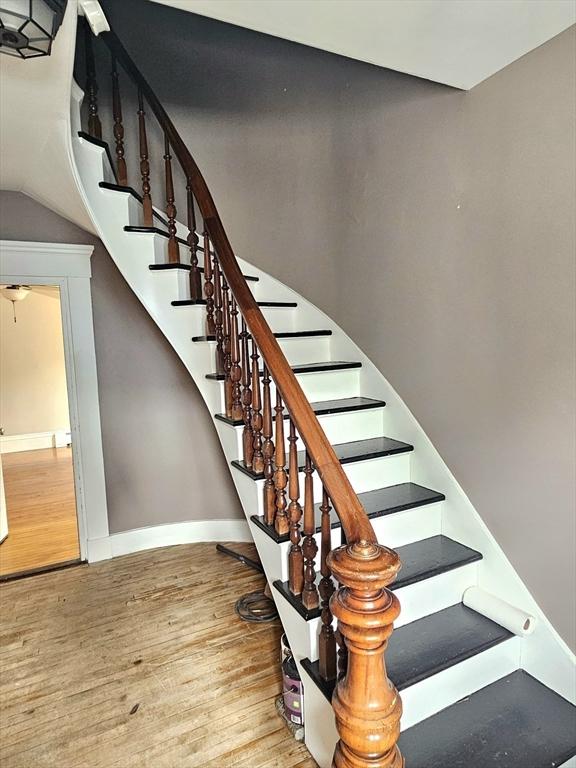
257, 455
295, 556
310, 598
121, 171
326, 639
148, 215
268, 451
247, 434
209, 288
227, 346
280, 476
367, 706
94, 124
173, 252
195, 274
218, 316
235, 369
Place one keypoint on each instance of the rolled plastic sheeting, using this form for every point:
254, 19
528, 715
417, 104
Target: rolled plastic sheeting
513, 619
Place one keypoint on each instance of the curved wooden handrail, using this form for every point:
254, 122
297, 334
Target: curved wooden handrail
355, 522
366, 704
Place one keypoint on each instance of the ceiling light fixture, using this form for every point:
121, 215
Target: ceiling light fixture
28, 27
15, 293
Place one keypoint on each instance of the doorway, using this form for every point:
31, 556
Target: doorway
67, 267
39, 523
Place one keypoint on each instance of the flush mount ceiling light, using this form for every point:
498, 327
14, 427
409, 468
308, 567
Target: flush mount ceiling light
28, 27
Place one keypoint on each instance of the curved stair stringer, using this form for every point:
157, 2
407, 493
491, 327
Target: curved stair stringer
543, 654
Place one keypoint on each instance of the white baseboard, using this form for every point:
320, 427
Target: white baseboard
34, 441
189, 532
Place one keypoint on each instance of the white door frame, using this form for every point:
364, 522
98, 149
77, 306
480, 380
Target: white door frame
68, 267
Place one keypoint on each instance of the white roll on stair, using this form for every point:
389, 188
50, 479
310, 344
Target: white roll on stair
508, 616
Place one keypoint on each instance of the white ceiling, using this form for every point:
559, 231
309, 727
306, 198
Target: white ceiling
455, 42
35, 139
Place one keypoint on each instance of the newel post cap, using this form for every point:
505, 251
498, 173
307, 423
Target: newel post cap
364, 565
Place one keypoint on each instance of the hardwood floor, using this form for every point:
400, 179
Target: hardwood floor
141, 662
41, 503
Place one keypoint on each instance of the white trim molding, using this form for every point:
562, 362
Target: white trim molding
34, 441
68, 267
31, 259
153, 536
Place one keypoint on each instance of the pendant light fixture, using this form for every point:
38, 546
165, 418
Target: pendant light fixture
15, 293
28, 27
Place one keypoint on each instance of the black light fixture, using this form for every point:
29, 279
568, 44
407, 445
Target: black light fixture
28, 27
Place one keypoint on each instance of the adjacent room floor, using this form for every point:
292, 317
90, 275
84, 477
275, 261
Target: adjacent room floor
41, 504
141, 662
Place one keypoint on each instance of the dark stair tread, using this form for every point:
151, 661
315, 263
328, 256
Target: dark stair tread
103, 145
329, 365
152, 230
377, 503
357, 450
516, 722
430, 645
281, 335
323, 408
193, 302
420, 560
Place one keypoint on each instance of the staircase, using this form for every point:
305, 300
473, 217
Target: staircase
330, 466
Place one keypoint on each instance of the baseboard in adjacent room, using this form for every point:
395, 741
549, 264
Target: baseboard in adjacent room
188, 532
34, 441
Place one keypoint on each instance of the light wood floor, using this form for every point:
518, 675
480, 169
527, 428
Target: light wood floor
141, 662
41, 503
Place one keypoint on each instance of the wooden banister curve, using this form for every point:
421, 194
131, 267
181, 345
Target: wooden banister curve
354, 520
367, 706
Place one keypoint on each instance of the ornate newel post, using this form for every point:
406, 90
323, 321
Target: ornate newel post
366, 704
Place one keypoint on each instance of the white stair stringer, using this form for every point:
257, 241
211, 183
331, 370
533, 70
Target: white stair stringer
543, 654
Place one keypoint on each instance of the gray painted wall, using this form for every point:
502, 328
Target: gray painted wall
436, 226
158, 439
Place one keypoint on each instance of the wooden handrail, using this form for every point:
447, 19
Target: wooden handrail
355, 522
366, 704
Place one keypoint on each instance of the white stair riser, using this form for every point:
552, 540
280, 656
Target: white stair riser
419, 701
401, 528
302, 349
279, 318
324, 385
339, 428
417, 601
364, 476
393, 530
428, 697
330, 385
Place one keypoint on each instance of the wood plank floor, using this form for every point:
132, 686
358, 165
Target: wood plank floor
41, 504
141, 661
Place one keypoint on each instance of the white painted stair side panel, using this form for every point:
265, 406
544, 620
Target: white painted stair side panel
320, 736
